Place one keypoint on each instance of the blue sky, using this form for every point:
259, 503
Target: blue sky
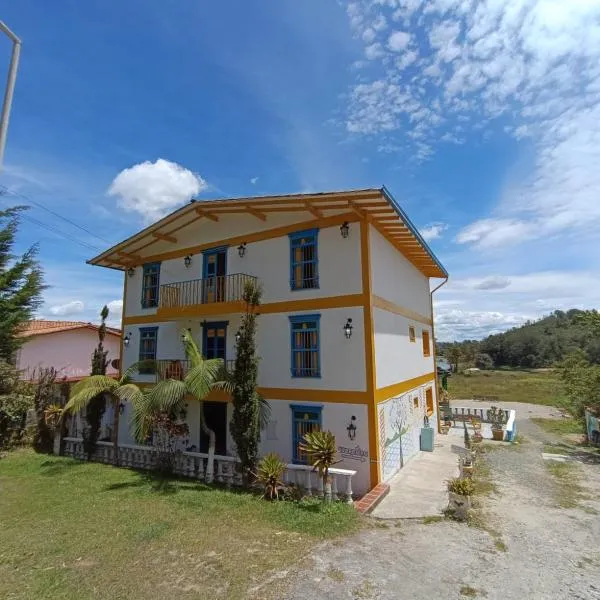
481, 117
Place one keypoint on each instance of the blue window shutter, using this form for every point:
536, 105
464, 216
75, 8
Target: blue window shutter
304, 259
305, 345
148, 343
150, 285
305, 419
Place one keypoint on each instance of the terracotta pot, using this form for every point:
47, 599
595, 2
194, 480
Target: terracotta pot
498, 435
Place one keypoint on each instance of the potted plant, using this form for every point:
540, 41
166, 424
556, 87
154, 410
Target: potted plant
460, 490
497, 417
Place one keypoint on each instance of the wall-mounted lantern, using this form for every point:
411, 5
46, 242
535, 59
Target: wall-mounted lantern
131, 271
345, 229
121, 408
183, 334
238, 337
351, 429
242, 249
187, 261
127, 339
348, 329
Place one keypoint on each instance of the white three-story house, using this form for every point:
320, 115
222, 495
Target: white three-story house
345, 332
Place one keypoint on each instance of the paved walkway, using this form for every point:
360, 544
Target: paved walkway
419, 489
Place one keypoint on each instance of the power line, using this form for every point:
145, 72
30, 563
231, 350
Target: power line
5, 191
59, 232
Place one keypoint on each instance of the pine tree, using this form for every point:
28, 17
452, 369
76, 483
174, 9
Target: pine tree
95, 409
245, 421
21, 284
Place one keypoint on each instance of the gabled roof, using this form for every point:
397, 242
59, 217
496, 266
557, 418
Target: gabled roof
376, 205
44, 327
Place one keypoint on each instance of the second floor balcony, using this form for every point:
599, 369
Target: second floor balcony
174, 368
211, 295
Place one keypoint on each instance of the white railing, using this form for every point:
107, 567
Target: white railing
198, 465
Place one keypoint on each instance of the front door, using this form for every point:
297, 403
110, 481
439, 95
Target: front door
213, 276
215, 414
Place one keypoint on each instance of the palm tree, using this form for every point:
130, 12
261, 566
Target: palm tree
168, 396
117, 390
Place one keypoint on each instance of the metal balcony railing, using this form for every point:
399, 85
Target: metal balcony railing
222, 288
173, 368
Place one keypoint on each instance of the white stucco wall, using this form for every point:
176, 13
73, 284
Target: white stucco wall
335, 418
395, 279
342, 360
69, 352
396, 357
269, 260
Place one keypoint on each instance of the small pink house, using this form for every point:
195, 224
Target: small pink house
67, 346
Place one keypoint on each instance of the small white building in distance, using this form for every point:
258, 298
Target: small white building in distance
345, 332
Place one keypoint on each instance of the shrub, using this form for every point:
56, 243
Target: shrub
483, 361
269, 473
16, 399
168, 436
461, 486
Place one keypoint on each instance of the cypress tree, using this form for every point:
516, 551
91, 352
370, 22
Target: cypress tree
21, 284
245, 421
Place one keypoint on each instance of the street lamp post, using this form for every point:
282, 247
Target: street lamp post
10, 87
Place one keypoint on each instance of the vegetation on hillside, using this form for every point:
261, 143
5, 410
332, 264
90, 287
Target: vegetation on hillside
535, 344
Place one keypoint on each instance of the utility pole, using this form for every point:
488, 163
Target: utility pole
10, 87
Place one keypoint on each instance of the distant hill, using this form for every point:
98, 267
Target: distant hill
535, 344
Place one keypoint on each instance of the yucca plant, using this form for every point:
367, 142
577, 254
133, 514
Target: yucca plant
53, 415
269, 473
320, 448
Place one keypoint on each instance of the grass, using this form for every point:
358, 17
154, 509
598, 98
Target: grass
562, 427
568, 491
72, 529
535, 387
469, 592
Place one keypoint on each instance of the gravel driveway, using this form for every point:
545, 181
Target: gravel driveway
551, 553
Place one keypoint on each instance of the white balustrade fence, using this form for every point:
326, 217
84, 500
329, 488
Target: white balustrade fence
198, 465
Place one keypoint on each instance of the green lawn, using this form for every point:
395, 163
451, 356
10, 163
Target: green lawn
560, 427
71, 529
535, 387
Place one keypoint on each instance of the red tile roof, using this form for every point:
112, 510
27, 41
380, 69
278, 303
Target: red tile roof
42, 327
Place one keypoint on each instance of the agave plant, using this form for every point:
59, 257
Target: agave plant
269, 473
320, 448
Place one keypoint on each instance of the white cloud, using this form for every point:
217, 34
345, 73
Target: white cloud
398, 41
74, 307
433, 231
115, 308
380, 23
374, 51
474, 307
154, 189
529, 68
254, 180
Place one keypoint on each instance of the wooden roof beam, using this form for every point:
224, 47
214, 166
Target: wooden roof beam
311, 209
133, 257
256, 213
164, 236
206, 214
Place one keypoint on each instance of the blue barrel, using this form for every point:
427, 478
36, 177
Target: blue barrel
427, 435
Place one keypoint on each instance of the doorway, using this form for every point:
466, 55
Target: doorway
214, 271
215, 414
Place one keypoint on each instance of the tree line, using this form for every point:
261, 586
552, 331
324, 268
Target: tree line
536, 344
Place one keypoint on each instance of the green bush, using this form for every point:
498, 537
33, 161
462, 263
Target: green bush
16, 398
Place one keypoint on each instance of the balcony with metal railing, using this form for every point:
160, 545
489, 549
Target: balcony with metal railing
209, 296
174, 368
